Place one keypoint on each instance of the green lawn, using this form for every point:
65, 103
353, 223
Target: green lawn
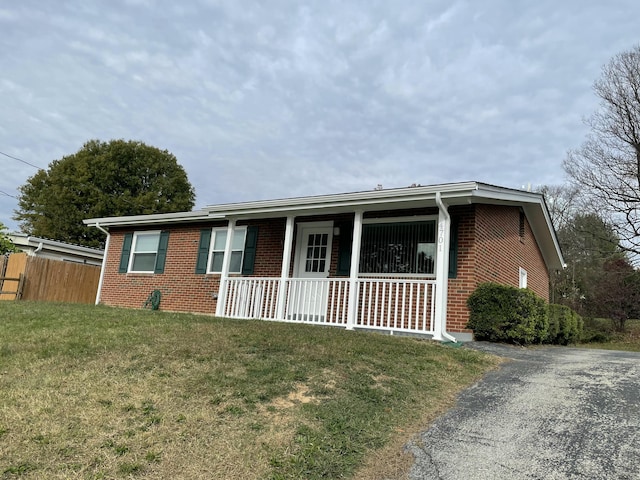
97, 392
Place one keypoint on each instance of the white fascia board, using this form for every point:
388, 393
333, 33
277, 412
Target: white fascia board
152, 219
56, 246
377, 198
491, 192
299, 205
53, 245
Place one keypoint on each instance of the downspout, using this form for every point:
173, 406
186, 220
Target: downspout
104, 261
39, 248
443, 223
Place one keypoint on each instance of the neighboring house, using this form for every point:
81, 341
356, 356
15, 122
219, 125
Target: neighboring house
398, 260
45, 248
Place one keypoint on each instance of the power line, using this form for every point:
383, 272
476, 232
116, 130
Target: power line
20, 160
8, 194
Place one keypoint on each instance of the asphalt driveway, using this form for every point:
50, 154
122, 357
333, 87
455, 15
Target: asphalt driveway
549, 413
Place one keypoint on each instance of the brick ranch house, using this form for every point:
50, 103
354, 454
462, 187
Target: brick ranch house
397, 260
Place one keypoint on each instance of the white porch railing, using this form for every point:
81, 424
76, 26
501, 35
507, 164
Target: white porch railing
402, 305
385, 304
251, 298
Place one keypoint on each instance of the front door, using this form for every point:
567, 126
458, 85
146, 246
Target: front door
309, 289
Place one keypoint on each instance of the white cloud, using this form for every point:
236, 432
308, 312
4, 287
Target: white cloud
316, 97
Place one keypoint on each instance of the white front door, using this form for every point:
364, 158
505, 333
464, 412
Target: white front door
309, 290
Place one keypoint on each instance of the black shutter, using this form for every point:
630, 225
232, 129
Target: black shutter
126, 252
203, 251
250, 245
162, 252
453, 249
344, 248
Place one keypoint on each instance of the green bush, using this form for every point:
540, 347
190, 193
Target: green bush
500, 313
596, 330
565, 325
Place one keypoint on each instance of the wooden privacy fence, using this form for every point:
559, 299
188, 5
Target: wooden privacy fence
12, 275
48, 280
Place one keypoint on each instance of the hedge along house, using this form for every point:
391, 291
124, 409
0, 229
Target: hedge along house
398, 260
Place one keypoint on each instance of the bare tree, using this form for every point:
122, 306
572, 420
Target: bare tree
562, 201
607, 165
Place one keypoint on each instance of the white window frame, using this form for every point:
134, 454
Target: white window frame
522, 278
388, 220
133, 252
214, 233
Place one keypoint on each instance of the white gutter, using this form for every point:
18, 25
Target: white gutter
104, 261
442, 208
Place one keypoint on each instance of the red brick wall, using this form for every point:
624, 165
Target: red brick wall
181, 288
270, 245
465, 282
491, 250
501, 251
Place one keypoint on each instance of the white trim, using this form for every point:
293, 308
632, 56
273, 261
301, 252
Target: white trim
410, 219
133, 252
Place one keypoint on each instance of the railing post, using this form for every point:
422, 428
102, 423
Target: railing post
286, 265
353, 271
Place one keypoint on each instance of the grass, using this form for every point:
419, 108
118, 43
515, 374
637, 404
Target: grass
97, 392
600, 333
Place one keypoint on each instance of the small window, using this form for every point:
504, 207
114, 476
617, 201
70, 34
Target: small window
144, 252
521, 229
523, 278
218, 243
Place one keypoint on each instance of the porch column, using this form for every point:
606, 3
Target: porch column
286, 265
352, 306
224, 275
442, 269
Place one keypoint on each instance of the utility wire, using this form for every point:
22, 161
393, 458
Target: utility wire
20, 160
8, 194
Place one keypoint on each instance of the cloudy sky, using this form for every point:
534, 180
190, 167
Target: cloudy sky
277, 98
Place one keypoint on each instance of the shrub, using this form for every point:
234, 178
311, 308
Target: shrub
596, 330
500, 313
565, 325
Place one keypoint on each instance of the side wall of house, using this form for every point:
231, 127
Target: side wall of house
501, 250
491, 249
